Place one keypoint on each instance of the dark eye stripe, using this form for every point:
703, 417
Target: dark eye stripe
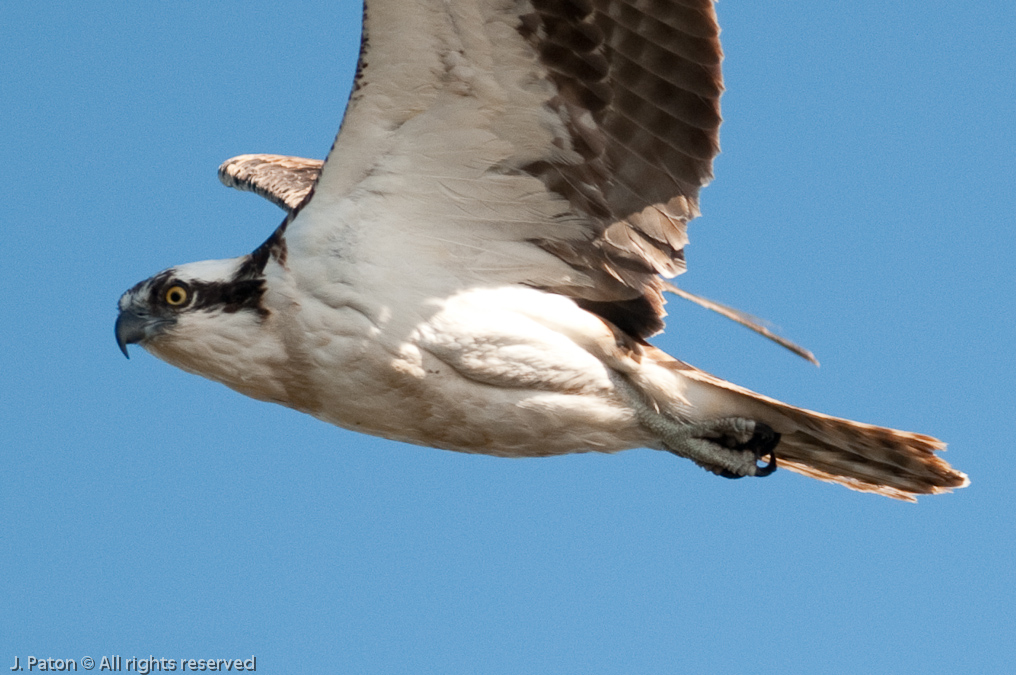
229, 296
243, 292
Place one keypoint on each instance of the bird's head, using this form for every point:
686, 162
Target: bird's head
193, 314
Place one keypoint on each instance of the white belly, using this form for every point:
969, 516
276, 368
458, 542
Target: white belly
487, 371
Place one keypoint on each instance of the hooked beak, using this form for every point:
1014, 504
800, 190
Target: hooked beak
131, 328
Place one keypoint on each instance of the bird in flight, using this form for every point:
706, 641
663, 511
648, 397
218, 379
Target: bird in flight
480, 260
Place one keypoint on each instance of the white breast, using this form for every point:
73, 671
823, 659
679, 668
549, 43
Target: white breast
481, 371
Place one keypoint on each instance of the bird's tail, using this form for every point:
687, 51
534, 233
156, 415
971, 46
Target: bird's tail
864, 457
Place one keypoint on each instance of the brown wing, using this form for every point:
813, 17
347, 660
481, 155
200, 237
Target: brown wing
639, 84
284, 181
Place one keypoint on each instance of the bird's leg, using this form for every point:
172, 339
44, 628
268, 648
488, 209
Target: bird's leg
730, 446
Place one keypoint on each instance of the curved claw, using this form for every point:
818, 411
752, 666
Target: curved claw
763, 442
769, 467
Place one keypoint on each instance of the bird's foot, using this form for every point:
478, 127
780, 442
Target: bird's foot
730, 446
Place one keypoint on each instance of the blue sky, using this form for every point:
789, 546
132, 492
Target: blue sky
864, 203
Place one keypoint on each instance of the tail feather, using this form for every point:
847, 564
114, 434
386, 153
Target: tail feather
864, 457
870, 459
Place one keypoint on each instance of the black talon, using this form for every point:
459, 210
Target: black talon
769, 467
763, 442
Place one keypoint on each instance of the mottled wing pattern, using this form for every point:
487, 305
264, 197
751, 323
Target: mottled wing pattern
284, 181
639, 84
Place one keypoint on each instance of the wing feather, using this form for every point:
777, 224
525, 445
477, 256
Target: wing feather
284, 181
641, 80
604, 111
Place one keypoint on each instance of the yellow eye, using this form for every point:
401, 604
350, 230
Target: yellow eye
176, 296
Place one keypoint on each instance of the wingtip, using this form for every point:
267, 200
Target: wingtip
747, 320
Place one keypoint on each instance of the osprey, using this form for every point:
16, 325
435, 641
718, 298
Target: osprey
477, 264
